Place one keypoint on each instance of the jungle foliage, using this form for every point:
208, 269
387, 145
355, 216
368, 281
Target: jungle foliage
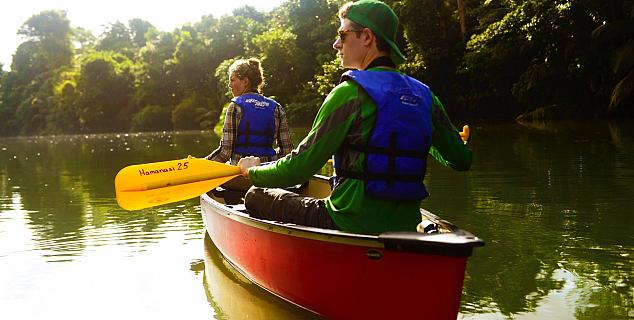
484, 58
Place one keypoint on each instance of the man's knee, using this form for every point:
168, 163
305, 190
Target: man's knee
254, 199
266, 203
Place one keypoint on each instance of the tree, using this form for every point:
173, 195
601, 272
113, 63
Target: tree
155, 85
117, 38
461, 18
314, 23
83, 40
104, 93
539, 52
225, 39
51, 31
192, 113
138, 30
152, 118
302, 110
64, 118
27, 89
434, 44
305, 31
249, 12
281, 61
613, 52
190, 65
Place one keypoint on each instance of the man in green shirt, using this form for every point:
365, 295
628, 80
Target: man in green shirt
349, 126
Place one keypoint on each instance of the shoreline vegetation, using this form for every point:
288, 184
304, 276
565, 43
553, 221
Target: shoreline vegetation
530, 62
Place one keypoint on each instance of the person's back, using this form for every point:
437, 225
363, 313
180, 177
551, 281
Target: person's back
377, 188
395, 154
253, 122
381, 164
256, 129
346, 119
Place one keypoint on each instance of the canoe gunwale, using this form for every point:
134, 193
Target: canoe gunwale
234, 212
457, 243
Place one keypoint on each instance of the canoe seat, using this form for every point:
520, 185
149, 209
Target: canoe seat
298, 188
239, 207
427, 226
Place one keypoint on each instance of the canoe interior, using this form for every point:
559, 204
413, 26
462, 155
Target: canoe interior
434, 235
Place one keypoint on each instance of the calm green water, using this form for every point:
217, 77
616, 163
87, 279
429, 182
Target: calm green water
554, 205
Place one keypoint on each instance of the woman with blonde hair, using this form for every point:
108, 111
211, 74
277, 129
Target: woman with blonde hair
253, 122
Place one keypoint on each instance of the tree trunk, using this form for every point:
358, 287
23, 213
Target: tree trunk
463, 26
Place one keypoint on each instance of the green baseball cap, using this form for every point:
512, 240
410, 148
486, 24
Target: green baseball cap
381, 19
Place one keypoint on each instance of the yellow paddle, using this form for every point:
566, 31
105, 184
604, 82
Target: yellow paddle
142, 186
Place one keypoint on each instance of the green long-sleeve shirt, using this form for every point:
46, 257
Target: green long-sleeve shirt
348, 114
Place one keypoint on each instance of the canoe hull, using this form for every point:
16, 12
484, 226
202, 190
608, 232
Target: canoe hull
334, 274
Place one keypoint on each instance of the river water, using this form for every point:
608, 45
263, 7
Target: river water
553, 203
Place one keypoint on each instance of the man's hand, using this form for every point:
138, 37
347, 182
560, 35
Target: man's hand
464, 134
246, 163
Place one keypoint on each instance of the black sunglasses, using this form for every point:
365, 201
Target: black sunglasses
341, 34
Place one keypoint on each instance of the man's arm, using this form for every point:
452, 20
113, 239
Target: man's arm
328, 132
447, 146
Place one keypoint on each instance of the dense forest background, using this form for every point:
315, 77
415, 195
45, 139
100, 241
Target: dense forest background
485, 59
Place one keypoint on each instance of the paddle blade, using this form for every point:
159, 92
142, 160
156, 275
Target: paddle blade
137, 200
151, 184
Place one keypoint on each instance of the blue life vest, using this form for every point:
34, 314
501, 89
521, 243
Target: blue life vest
256, 130
396, 153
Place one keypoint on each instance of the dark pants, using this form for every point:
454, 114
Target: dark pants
285, 206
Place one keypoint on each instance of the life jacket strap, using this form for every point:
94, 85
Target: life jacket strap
248, 132
387, 151
379, 176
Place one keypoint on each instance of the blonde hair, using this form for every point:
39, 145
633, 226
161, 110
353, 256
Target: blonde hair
251, 69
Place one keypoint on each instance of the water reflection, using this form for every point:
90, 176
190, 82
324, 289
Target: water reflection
62, 189
548, 202
553, 203
234, 297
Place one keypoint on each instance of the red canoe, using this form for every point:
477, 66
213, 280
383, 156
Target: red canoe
395, 275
